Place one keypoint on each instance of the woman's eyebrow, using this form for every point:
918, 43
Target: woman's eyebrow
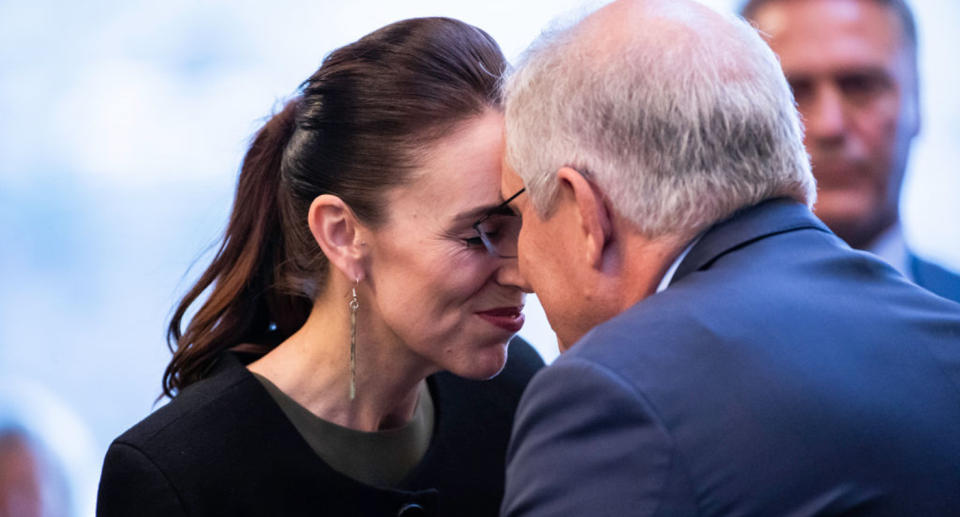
481, 212
476, 213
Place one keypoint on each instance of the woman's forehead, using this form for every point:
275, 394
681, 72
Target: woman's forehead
459, 174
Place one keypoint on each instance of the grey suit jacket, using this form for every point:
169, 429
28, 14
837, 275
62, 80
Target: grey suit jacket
781, 373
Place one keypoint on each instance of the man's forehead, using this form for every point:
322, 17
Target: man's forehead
807, 24
813, 43
510, 182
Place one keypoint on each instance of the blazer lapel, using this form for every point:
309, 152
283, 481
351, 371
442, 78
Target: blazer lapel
745, 226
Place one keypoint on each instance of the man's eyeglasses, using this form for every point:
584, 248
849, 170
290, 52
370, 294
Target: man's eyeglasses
499, 229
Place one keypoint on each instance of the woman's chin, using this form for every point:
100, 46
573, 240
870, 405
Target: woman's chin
483, 365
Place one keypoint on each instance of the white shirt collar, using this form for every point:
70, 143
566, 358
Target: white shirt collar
668, 276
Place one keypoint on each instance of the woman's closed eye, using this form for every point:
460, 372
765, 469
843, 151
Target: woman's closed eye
473, 242
486, 233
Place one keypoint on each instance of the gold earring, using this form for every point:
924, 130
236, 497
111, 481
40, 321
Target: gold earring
354, 305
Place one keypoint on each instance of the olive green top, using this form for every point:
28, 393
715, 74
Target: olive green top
380, 458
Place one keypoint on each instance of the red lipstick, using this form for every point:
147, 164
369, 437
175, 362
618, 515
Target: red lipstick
507, 318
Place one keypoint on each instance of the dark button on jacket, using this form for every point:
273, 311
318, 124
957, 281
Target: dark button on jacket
412, 510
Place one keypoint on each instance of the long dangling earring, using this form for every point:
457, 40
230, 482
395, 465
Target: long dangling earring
354, 305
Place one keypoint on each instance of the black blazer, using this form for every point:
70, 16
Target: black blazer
224, 447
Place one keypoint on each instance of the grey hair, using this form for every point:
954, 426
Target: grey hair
678, 134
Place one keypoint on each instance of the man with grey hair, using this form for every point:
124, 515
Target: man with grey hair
725, 353
852, 65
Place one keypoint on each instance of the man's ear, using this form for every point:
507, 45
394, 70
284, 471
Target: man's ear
338, 233
595, 218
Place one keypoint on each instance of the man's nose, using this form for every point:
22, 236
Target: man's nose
825, 115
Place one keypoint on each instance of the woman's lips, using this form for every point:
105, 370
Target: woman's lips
508, 318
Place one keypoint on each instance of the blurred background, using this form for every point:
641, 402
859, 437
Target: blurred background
122, 126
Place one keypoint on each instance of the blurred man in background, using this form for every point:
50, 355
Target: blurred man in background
852, 65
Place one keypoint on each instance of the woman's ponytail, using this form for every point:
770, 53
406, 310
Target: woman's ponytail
245, 302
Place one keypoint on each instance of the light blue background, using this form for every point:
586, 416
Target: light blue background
122, 124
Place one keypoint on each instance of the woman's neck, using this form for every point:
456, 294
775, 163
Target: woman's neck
313, 367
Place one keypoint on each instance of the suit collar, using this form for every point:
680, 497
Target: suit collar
747, 225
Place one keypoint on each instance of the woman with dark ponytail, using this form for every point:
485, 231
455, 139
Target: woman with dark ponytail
326, 361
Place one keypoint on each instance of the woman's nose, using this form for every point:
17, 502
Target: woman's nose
508, 274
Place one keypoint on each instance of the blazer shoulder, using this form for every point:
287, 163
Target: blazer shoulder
129, 478
206, 404
644, 327
219, 434
583, 425
936, 278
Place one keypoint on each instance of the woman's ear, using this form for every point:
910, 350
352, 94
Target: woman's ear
338, 233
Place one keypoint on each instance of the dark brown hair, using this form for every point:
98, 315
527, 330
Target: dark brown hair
354, 130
